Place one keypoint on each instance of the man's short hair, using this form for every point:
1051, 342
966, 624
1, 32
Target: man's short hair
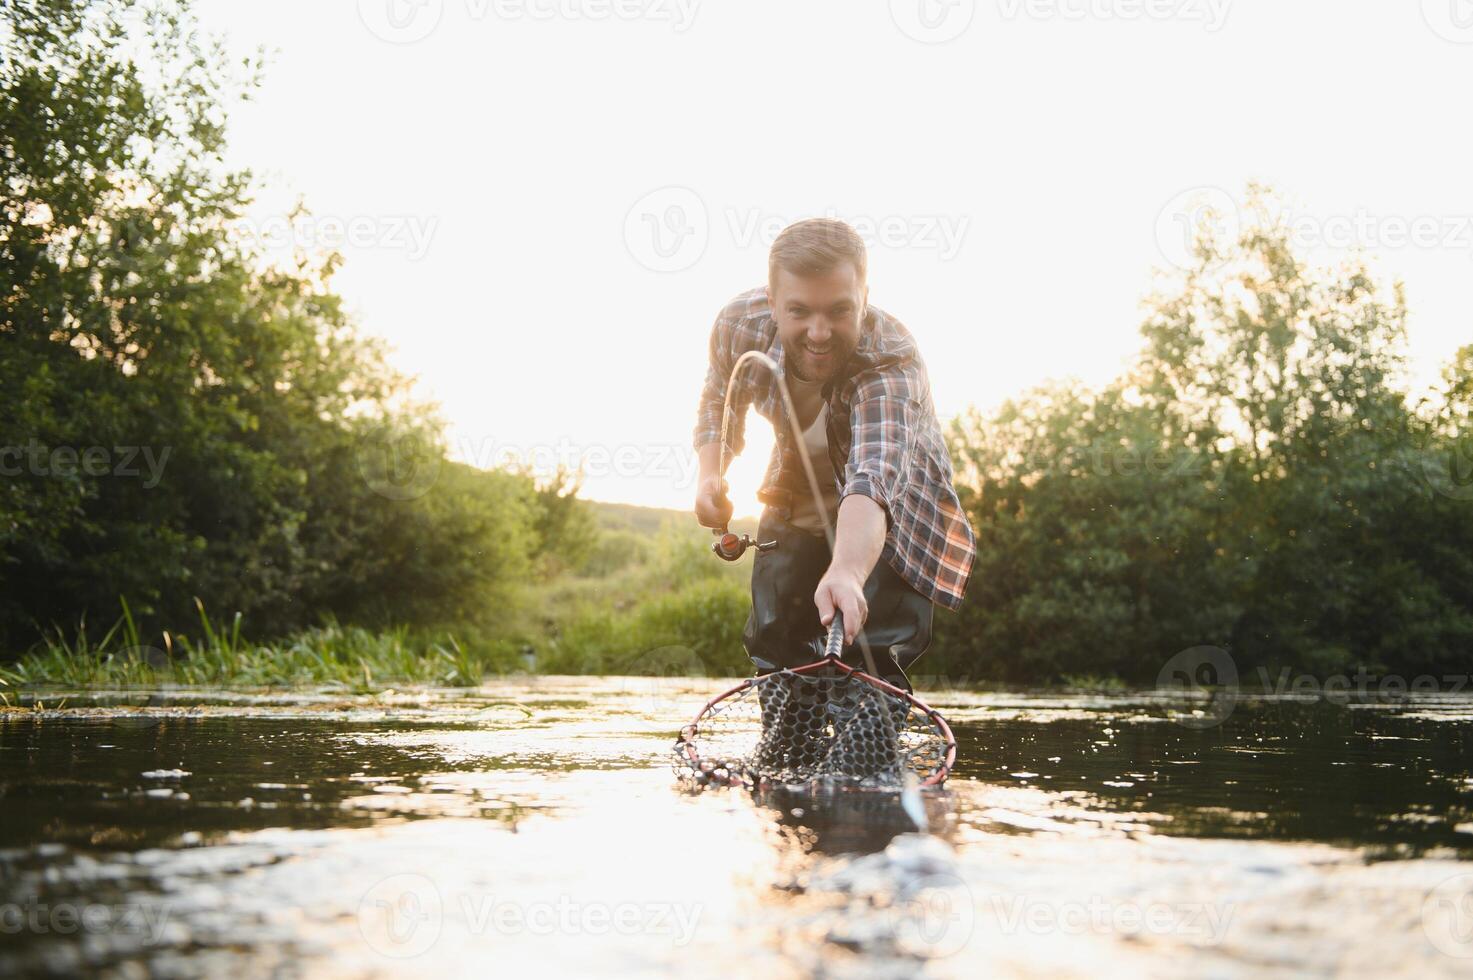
816, 247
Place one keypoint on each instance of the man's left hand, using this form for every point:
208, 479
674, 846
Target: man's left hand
843, 590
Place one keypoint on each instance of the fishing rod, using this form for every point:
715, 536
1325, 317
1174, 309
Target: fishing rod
731, 547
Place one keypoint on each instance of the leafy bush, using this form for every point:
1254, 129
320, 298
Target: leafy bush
1255, 482
699, 625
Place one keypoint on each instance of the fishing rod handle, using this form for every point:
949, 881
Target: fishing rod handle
835, 644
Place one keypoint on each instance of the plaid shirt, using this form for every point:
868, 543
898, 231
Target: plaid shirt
884, 440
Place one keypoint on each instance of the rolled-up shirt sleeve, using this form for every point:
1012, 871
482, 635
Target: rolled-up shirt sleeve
713, 393
884, 423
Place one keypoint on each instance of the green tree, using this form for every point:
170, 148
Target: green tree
1256, 481
133, 315
1095, 549
565, 530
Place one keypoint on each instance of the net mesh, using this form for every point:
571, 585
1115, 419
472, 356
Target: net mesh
834, 727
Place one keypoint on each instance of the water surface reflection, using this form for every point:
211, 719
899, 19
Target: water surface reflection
538, 826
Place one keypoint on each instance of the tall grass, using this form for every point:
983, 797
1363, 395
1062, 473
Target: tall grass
673, 609
331, 654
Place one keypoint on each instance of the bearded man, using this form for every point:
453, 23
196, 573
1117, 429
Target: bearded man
862, 400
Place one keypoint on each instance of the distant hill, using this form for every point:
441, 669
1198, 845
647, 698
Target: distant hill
648, 520
632, 517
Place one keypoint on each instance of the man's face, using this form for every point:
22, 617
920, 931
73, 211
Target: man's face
818, 319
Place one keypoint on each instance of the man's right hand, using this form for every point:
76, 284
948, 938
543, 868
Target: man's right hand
712, 507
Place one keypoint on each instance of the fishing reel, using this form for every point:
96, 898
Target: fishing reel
729, 546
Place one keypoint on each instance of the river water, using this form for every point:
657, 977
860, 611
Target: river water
535, 827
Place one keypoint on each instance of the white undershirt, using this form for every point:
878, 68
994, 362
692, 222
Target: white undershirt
816, 445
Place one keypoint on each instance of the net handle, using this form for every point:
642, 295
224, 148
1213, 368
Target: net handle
835, 644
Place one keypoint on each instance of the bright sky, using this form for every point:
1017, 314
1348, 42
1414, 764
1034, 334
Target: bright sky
502, 169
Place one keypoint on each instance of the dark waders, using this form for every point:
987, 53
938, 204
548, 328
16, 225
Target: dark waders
784, 630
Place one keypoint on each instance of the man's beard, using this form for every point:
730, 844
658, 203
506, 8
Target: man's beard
838, 356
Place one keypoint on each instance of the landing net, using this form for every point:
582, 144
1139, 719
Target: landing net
826, 723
